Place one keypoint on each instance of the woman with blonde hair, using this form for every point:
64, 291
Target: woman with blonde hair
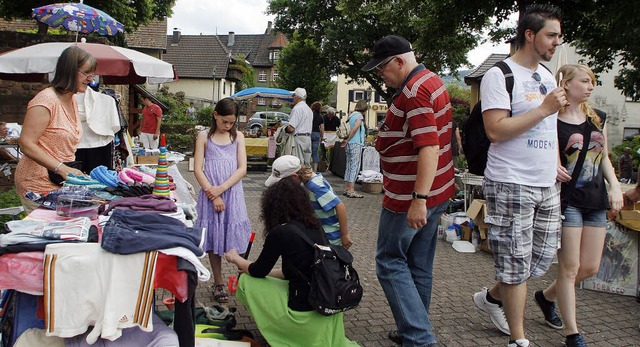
584, 198
353, 147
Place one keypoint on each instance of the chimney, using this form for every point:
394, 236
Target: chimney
269, 27
176, 36
232, 39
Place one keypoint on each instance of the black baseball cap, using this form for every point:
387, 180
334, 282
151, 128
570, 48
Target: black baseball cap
386, 47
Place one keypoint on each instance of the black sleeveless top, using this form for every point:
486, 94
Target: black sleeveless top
590, 191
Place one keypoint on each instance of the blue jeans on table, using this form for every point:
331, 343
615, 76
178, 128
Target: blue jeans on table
128, 232
404, 265
315, 145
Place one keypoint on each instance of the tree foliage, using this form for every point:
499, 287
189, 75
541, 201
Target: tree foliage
131, 14
444, 31
248, 76
302, 65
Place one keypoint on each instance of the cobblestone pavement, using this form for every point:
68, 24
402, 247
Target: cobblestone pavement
604, 319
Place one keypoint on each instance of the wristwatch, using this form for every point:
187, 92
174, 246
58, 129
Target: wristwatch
419, 196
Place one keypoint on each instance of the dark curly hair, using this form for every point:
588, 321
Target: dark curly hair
285, 201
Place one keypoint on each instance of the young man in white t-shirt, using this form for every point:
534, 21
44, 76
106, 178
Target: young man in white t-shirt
523, 200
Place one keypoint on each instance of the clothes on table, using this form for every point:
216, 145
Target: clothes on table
128, 232
103, 295
37, 232
145, 203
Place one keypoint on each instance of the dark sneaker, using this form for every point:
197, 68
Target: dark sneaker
549, 310
395, 337
576, 341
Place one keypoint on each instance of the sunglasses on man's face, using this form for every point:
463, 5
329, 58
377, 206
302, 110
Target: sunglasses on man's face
381, 66
543, 89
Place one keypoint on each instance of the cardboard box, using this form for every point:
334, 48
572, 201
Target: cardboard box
484, 246
147, 159
629, 216
477, 211
465, 232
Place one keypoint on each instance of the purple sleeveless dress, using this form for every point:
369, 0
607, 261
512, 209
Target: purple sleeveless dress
230, 228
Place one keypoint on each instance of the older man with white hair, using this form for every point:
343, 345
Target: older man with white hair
300, 124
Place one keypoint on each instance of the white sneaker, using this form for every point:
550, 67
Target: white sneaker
519, 343
496, 313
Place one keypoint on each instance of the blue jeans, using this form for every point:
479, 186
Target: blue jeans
315, 145
404, 265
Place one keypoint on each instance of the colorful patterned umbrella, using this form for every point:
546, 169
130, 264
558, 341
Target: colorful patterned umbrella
78, 17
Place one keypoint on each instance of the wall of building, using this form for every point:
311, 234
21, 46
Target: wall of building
202, 88
376, 111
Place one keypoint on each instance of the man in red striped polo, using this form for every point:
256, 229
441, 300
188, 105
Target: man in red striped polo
414, 143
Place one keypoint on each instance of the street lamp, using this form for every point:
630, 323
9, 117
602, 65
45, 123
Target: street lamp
213, 88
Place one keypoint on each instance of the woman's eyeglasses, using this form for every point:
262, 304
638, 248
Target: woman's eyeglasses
90, 75
543, 89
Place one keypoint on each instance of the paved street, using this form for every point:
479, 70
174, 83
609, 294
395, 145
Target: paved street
604, 319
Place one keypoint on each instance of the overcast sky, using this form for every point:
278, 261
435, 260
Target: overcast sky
194, 17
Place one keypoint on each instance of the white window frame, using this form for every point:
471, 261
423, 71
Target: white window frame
359, 95
262, 102
262, 76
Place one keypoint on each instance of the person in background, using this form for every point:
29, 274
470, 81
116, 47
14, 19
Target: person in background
277, 299
150, 126
331, 212
523, 199
191, 112
6, 139
415, 157
317, 133
300, 124
625, 166
220, 165
585, 216
331, 122
51, 129
353, 149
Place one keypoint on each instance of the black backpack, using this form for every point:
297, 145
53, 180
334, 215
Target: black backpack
475, 142
335, 285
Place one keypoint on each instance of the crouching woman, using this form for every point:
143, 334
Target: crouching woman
277, 298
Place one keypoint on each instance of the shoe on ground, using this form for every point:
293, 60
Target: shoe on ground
519, 343
353, 195
577, 341
495, 311
548, 310
395, 337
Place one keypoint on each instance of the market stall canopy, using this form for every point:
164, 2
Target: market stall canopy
116, 65
78, 17
263, 92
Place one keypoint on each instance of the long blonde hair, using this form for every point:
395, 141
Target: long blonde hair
568, 73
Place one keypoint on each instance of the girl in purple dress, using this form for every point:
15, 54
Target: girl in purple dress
220, 164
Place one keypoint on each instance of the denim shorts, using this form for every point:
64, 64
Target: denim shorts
579, 217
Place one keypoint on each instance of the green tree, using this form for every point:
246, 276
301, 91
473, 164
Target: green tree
444, 31
302, 65
131, 14
248, 76
460, 102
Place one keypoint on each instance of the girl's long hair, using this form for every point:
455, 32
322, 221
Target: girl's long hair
569, 72
285, 201
225, 107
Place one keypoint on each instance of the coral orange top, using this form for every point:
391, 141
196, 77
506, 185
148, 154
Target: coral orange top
60, 140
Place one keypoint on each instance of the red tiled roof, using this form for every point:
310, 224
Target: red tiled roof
153, 35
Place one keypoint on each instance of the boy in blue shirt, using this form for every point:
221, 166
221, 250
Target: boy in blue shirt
330, 210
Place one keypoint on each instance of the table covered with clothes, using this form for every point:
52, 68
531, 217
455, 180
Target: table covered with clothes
94, 278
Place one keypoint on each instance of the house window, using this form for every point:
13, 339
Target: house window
224, 87
359, 95
630, 133
273, 55
262, 102
262, 76
275, 75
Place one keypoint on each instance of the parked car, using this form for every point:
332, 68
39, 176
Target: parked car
266, 118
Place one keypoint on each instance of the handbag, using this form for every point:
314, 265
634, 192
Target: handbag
56, 178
